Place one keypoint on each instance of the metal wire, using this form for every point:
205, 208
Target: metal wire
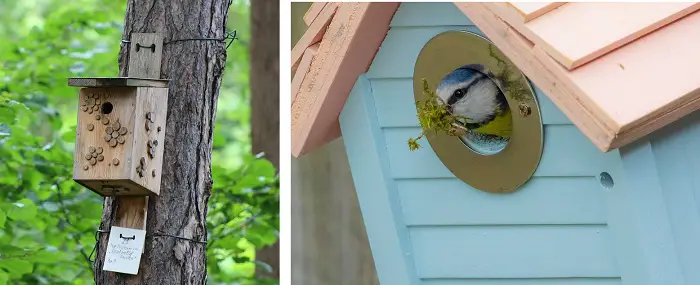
230, 36
96, 248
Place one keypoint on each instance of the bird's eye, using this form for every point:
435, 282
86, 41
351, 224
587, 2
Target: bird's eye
459, 93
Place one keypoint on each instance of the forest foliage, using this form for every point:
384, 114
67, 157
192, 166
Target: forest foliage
47, 221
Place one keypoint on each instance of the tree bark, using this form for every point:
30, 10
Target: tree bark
264, 85
194, 68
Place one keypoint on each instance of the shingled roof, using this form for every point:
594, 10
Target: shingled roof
618, 78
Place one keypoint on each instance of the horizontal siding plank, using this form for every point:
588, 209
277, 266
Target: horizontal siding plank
566, 153
543, 200
527, 281
399, 51
513, 252
428, 14
396, 106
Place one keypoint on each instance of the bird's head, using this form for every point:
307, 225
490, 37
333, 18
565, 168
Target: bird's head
470, 93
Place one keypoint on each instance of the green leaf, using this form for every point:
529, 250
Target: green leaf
3, 218
22, 210
16, 267
4, 277
69, 136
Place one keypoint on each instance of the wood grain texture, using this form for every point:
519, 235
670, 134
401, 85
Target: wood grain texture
531, 10
329, 242
155, 102
569, 36
90, 133
612, 81
303, 69
117, 82
145, 52
313, 12
133, 217
118, 165
356, 32
314, 33
195, 69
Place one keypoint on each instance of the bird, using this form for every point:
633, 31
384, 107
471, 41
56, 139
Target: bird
470, 91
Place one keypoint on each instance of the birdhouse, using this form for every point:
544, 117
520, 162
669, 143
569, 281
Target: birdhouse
512, 142
120, 134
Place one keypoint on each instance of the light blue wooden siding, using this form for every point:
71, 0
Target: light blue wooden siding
666, 186
427, 227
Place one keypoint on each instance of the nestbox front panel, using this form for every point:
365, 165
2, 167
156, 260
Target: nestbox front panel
424, 222
104, 137
119, 139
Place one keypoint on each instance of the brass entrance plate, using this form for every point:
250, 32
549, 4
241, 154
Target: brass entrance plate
510, 164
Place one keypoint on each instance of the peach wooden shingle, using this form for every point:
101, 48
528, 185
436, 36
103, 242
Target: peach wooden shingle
531, 10
350, 43
303, 69
314, 33
577, 33
621, 96
519, 50
614, 100
313, 12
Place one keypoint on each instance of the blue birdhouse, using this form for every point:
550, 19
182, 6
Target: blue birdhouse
512, 143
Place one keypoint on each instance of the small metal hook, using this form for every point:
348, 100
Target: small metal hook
127, 238
152, 47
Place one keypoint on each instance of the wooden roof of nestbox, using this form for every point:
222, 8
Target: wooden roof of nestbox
618, 78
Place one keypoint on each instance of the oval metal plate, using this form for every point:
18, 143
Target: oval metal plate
507, 170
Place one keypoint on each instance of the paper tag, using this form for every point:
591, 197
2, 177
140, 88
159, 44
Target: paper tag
124, 250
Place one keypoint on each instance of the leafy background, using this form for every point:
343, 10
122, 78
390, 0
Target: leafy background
48, 222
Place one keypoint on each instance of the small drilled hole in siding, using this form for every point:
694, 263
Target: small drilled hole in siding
606, 180
106, 108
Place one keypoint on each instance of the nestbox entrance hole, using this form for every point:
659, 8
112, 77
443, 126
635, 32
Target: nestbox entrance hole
478, 98
499, 145
106, 108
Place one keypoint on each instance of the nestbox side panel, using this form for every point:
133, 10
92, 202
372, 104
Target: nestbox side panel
149, 137
564, 225
101, 151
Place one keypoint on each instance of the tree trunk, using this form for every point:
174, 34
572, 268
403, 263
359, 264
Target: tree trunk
264, 85
194, 68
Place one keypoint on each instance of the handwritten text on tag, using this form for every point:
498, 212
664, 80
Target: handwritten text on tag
124, 250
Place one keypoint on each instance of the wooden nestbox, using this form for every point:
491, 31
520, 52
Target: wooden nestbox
120, 135
601, 165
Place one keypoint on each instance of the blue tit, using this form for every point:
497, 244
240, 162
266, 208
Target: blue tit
470, 92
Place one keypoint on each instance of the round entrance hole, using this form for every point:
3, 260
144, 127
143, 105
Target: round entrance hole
473, 94
106, 108
484, 144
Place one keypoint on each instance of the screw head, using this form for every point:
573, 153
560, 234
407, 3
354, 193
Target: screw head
524, 109
115, 161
